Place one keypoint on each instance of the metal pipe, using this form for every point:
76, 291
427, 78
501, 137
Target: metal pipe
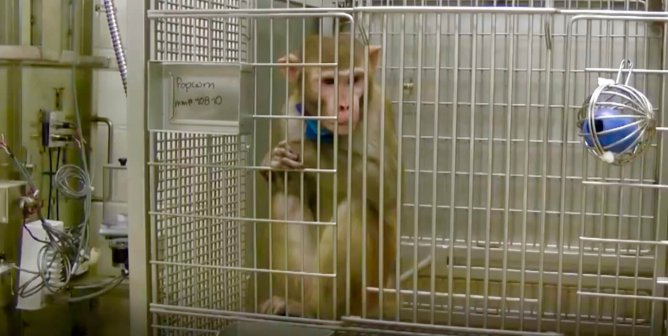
624, 241
117, 43
344, 12
623, 296
637, 71
110, 141
110, 135
257, 13
243, 269
626, 184
441, 328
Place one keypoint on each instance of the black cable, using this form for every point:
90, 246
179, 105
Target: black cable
57, 193
31, 234
48, 212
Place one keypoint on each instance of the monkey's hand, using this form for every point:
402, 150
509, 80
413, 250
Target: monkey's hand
283, 158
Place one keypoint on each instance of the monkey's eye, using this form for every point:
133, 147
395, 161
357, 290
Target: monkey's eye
328, 81
358, 78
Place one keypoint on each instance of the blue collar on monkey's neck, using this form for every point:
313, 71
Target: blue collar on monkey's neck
311, 132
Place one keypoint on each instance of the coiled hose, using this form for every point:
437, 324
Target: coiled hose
116, 42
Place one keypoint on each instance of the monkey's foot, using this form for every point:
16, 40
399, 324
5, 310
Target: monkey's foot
278, 306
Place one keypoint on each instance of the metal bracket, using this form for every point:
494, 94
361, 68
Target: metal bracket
59, 98
100, 8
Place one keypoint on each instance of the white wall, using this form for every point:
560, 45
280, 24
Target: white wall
108, 101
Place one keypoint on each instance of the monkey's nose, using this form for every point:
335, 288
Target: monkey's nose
344, 108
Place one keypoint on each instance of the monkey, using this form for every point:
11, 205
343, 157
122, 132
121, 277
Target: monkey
295, 150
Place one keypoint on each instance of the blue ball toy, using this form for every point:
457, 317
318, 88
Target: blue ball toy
616, 122
604, 121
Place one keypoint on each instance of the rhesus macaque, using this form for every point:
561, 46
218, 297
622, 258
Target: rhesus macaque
310, 248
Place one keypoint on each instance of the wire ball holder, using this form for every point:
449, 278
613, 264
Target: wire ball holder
623, 119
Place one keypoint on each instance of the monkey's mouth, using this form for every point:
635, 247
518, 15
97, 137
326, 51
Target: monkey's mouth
339, 124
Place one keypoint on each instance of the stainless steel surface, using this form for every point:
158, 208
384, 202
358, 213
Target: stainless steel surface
139, 237
523, 229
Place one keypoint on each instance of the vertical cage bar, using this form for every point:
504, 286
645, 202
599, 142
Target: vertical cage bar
471, 173
402, 43
365, 176
661, 212
381, 187
453, 168
490, 159
525, 194
318, 215
255, 143
416, 158
437, 74
302, 181
509, 123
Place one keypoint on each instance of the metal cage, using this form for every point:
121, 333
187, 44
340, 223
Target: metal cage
517, 230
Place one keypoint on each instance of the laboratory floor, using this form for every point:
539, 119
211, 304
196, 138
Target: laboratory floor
106, 316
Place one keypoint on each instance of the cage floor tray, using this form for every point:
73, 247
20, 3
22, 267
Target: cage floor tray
274, 329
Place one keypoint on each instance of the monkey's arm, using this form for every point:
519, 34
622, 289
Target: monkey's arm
390, 165
285, 153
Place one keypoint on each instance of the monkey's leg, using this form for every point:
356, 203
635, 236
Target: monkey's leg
292, 249
348, 258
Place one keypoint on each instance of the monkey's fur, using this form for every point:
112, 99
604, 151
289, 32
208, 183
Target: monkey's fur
311, 246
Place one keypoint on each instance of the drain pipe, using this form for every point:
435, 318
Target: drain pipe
116, 42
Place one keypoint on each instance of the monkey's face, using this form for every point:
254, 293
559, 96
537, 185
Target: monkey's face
341, 97
347, 108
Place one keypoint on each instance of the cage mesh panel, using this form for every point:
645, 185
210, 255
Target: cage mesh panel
204, 40
184, 188
499, 133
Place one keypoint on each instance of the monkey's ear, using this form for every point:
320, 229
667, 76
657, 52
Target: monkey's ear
374, 56
291, 72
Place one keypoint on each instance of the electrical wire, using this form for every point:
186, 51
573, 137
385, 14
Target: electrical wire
106, 288
63, 251
73, 181
65, 248
83, 175
57, 193
48, 213
23, 269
